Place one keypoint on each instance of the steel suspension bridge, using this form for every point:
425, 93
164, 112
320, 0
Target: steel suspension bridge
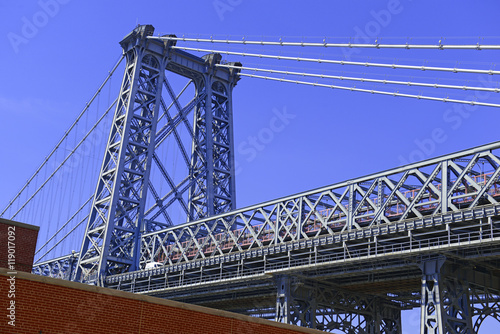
348, 257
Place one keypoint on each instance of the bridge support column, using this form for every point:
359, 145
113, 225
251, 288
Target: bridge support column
283, 300
296, 303
445, 306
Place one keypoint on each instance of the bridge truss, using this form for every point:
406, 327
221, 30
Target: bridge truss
347, 257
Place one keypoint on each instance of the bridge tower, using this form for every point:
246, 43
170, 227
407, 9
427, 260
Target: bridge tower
118, 214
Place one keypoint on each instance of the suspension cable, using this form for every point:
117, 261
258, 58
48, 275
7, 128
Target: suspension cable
64, 225
343, 62
66, 134
325, 44
325, 76
66, 159
353, 89
65, 236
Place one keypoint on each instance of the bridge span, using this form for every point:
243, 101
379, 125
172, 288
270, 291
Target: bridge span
349, 256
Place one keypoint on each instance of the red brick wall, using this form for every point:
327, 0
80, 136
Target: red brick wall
21, 239
46, 306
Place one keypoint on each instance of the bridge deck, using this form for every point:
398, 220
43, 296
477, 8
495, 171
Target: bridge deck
366, 235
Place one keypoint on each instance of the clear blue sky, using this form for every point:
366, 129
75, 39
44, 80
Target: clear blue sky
54, 57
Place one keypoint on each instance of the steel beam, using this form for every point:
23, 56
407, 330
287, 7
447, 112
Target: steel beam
62, 267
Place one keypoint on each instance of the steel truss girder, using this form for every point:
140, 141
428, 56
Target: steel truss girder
225, 272
314, 305
450, 234
439, 187
61, 267
118, 215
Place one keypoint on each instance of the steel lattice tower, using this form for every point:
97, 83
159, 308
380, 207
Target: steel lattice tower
119, 215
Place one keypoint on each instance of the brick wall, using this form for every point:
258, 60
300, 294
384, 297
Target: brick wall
44, 305
22, 238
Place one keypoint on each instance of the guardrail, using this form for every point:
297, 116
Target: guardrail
163, 279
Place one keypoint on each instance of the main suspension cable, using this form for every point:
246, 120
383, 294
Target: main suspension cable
325, 44
344, 62
326, 76
371, 91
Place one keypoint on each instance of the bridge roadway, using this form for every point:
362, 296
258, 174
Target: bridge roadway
382, 260
372, 240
